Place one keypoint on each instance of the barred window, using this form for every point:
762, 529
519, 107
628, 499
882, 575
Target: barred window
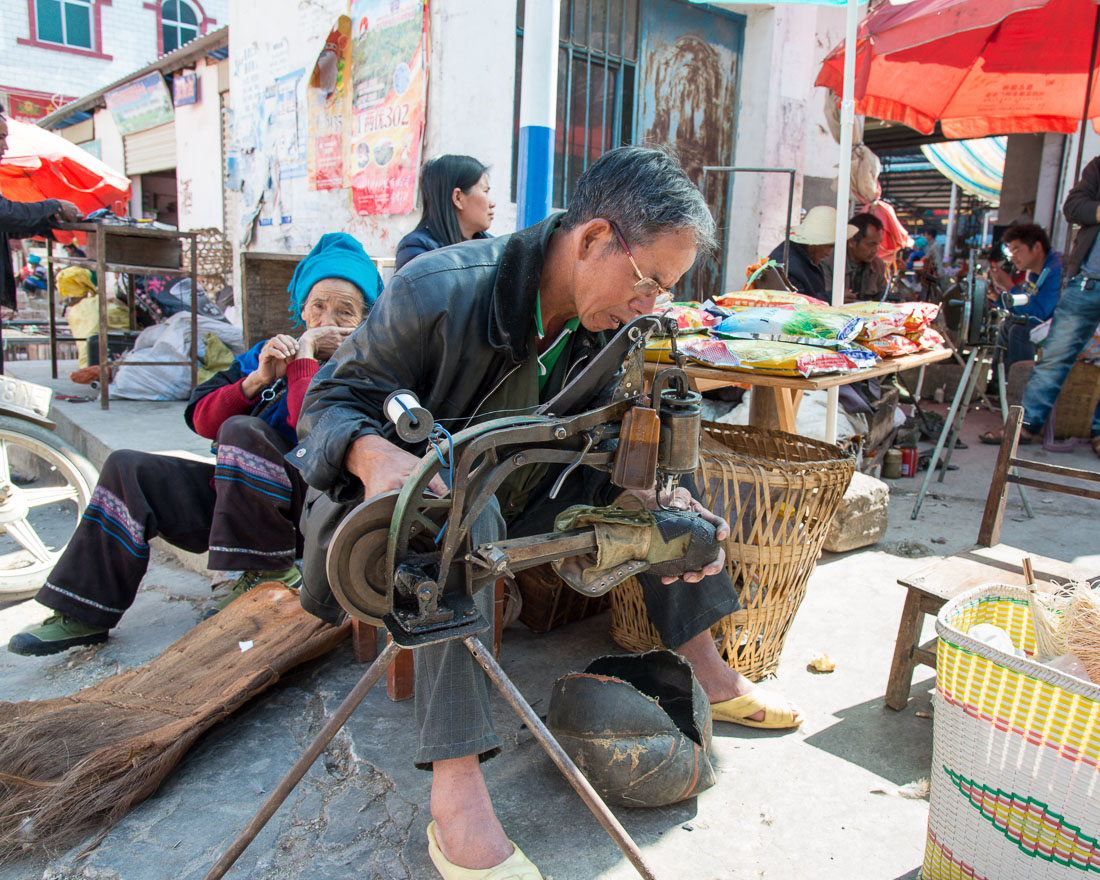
597, 60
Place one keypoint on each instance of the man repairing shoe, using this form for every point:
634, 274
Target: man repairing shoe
245, 508
498, 325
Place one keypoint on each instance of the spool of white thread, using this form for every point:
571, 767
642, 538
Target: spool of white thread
414, 423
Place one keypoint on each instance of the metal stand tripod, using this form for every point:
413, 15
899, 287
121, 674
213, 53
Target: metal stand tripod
956, 414
468, 634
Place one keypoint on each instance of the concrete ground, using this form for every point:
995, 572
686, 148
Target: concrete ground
822, 802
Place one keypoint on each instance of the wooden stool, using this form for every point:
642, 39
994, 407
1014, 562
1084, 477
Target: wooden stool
986, 562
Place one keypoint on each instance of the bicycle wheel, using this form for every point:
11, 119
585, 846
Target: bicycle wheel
45, 484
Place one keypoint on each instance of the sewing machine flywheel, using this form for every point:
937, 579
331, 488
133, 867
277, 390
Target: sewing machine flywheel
356, 561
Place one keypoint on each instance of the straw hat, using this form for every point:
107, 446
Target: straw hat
819, 227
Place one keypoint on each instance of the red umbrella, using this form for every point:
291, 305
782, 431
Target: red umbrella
978, 67
39, 164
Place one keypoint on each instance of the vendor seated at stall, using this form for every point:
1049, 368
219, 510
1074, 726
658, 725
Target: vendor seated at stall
812, 243
1029, 247
865, 270
497, 325
245, 508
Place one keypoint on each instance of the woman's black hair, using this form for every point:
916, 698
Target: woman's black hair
438, 180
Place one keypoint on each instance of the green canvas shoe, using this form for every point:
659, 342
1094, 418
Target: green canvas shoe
56, 634
248, 579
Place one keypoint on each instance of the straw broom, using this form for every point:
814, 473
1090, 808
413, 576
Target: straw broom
1047, 618
1083, 629
75, 763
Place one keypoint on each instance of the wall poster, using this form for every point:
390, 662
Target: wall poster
387, 99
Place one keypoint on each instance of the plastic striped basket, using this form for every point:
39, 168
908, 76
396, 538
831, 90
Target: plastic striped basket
1016, 757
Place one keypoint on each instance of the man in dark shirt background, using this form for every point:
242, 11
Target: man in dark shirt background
812, 243
24, 220
865, 271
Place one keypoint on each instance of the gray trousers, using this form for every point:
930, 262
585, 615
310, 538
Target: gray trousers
451, 690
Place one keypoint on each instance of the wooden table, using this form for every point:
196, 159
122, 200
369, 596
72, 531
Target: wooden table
779, 408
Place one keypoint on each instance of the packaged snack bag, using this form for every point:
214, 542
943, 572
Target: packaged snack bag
882, 318
658, 348
781, 298
806, 325
689, 315
891, 346
927, 339
776, 358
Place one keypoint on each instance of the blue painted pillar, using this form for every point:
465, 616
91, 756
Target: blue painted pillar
537, 111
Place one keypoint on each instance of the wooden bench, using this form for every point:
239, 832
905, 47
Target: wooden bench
986, 562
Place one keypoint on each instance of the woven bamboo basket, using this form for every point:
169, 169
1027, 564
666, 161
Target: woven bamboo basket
548, 602
1015, 755
1077, 401
779, 493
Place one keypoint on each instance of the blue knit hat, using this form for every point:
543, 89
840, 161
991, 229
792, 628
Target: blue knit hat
336, 255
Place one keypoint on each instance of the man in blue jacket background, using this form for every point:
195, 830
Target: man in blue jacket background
1029, 247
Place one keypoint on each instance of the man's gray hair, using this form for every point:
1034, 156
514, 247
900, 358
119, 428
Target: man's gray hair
646, 193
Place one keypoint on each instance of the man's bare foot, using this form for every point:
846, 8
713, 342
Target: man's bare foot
466, 828
996, 438
720, 683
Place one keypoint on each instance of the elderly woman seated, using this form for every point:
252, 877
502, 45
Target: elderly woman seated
245, 508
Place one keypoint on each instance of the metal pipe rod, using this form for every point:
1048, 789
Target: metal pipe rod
376, 670
557, 754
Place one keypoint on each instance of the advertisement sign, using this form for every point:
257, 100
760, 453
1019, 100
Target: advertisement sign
32, 107
387, 99
326, 100
141, 104
185, 88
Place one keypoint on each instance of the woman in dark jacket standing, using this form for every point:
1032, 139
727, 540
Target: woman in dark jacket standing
457, 206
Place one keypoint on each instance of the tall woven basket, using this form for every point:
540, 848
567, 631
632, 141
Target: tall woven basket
779, 493
1016, 755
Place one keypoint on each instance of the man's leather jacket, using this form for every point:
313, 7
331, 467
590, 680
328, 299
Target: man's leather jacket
451, 327
1080, 208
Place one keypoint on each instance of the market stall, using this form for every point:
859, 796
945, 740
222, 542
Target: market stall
788, 344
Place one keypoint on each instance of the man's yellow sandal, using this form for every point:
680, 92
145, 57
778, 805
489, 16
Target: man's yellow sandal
778, 713
516, 867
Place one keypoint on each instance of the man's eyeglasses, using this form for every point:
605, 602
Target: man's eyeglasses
644, 287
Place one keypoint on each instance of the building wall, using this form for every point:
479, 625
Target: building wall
199, 154
781, 124
129, 37
470, 101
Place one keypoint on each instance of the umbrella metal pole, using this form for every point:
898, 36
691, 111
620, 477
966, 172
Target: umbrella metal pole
558, 755
374, 672
948, 425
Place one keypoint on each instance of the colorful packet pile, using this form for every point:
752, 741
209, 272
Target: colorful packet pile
805, 325
776, 358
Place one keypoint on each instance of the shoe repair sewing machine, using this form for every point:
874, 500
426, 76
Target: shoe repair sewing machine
397, 558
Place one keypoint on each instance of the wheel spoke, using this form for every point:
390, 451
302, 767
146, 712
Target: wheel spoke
5, 471
24, 533
50, 495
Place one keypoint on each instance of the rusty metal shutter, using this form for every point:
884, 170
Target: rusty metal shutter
151, 150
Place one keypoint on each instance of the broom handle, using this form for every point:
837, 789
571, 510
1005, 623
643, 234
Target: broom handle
1029, 572
374, 672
